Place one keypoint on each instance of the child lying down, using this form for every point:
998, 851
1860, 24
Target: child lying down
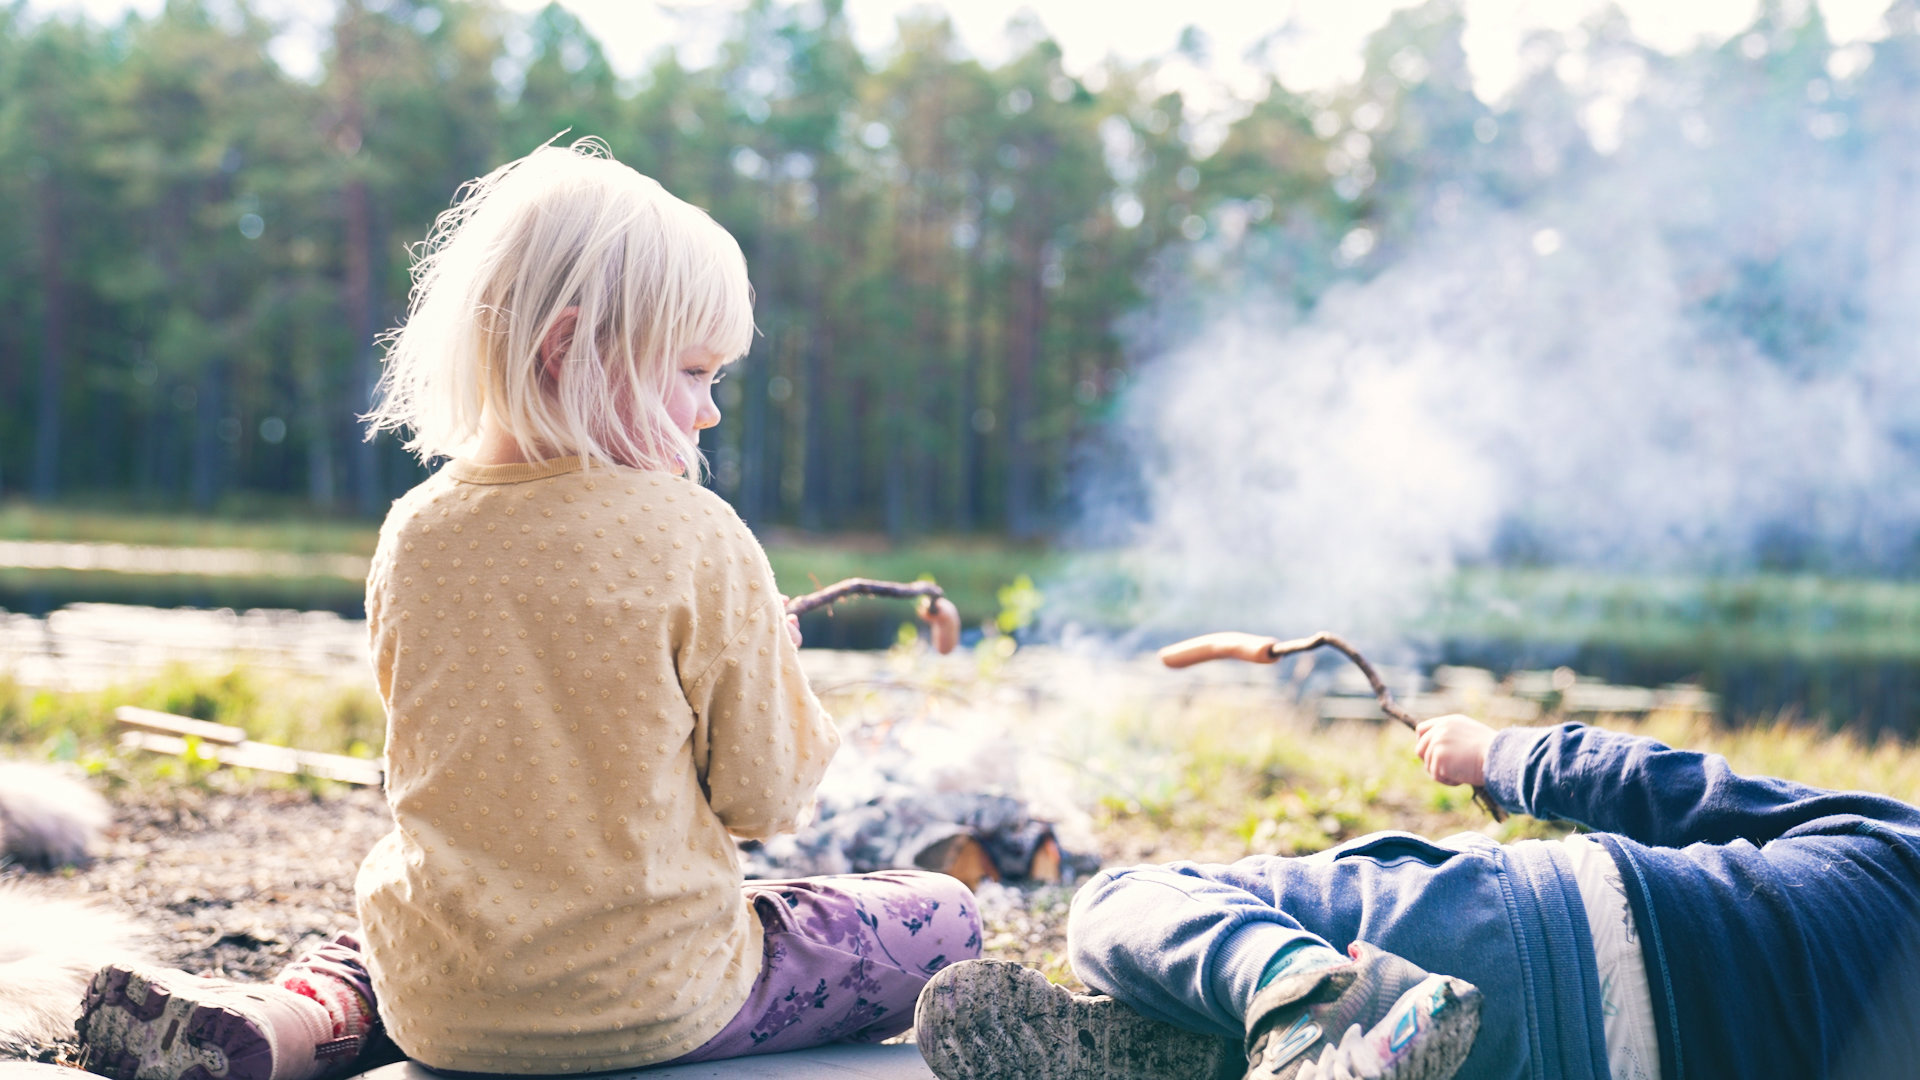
1710, 925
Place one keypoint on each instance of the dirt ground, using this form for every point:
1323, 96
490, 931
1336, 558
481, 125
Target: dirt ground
231, 884
237, 884
1146, 765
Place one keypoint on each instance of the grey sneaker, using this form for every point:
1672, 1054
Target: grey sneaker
145, 1023
1377, 1017
996, 1020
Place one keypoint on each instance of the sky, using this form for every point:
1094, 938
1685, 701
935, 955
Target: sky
1312, 44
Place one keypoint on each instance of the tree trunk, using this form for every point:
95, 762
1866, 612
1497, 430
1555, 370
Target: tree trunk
205, 475
320, 486
1026, 316
814, 506
364, 376
752, 500
357, 288
759, 469
53, 328
967, 494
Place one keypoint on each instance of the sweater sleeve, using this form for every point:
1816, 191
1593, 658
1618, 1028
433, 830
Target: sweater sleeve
1656, 795
761, 740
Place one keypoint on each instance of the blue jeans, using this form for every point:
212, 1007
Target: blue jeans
1172, 941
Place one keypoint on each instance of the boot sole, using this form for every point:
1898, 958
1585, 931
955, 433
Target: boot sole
136, 1024
1451, 1015
996, 1020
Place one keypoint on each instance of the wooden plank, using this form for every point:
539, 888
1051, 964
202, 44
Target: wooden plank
178, 726
266, 757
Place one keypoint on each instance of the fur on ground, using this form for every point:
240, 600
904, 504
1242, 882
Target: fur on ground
48, 817
49, 944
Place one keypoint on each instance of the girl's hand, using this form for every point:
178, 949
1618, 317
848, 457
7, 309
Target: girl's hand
793, 629
1454, 749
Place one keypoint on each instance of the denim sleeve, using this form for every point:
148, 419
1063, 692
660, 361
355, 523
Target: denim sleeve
1656, 795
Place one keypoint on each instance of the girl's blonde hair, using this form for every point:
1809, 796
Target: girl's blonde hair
563, 228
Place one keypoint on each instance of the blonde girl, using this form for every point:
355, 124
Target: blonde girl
591, 690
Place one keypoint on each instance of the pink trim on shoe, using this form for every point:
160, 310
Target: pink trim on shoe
142, 1023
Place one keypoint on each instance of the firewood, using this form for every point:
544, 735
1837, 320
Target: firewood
960, 856
1045, 867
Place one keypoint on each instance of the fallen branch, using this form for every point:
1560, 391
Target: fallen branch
934, 608
1255, 649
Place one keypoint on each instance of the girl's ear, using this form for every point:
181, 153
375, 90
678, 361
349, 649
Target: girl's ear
559, 339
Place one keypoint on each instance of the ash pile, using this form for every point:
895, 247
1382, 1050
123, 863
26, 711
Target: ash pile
925, 780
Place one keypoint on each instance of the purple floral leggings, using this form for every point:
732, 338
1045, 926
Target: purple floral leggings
844, 959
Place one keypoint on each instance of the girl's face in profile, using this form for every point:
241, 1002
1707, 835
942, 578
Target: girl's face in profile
690, 391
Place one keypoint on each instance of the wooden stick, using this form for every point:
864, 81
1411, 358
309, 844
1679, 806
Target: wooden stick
1255, 649
935, 609
856, 586
132, 716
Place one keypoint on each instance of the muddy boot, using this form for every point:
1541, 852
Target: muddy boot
995, 1020
1376, 1017
146, 1023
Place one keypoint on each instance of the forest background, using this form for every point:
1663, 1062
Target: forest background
200, 251
1615, 370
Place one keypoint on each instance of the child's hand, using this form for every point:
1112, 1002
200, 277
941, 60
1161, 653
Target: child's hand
1454, 749
793, 629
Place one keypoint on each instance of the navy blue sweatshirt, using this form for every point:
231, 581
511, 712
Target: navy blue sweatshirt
1780, 923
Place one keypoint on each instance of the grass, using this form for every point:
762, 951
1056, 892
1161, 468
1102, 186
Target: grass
288, 710
971, 572
297, 532
1217, 776
45, 590
1211, 772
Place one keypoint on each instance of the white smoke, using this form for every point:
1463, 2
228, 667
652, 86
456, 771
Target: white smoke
1681, 360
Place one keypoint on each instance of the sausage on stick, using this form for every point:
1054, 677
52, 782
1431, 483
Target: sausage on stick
1254, 649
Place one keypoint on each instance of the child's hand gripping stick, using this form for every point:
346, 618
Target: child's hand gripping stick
1255, 649
938, 612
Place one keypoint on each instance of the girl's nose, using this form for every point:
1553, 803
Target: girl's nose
708, 414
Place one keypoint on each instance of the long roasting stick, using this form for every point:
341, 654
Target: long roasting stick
934, 608
1255, 649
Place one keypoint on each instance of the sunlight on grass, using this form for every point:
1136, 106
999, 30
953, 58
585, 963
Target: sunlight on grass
1218, 776
1215, 777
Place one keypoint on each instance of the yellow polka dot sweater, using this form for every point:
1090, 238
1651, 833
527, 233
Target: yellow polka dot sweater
589, 685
